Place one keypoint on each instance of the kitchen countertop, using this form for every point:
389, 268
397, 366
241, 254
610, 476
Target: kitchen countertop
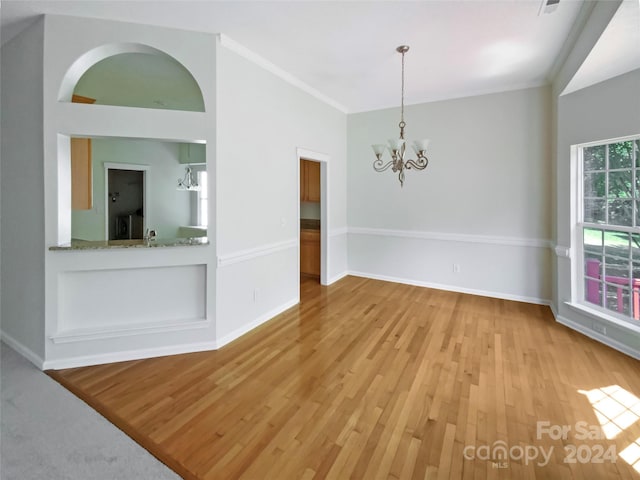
139, 243
309, 224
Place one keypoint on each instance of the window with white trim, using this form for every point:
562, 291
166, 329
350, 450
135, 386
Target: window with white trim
203, 199
609, 227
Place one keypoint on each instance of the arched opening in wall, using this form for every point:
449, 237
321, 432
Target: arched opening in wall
133, 75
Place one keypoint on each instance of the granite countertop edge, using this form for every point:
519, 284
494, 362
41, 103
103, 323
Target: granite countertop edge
110, 245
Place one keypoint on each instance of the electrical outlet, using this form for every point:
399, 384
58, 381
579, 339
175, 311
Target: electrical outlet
456, 268
600, 328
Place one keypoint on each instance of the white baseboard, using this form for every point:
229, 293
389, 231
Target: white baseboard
22, 350
86, 360
230, 337
610, 342
453, 288
123, 356
337, 277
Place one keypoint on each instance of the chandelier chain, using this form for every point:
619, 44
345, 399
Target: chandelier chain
402, 97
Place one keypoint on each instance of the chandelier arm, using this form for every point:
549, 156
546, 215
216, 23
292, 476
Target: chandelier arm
380, 166
419, 164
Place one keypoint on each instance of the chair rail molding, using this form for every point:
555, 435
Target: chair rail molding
562, 251
251, 253
454, 237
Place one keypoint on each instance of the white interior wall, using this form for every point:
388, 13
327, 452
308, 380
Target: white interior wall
262, 120
68, 341
22, 216
483, 202
603, 111
258, 248
575, 122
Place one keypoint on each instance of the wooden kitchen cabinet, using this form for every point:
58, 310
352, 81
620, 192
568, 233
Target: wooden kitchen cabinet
309, 181
81, 174
310, 252
81, 168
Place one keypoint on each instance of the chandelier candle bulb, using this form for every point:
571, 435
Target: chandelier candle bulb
379, 149
397, 146
420, 146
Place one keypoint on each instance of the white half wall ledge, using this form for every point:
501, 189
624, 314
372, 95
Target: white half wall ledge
604, 318
452, 288
116, 299
22, 350
82, 335
453, 237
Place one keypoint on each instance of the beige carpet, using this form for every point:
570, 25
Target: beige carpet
47, 433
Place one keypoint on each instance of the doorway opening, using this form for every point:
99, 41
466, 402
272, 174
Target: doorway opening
125, 203
313, 215
310, 219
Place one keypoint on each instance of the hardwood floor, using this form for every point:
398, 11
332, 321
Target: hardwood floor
373, 380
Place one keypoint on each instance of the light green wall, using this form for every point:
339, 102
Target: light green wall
193, 153
141, 80
167, 208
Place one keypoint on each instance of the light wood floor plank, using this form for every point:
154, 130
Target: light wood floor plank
373, 380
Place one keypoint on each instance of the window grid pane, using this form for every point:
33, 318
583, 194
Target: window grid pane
203, 199
611, 256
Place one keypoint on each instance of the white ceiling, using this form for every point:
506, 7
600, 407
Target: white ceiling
346, 50
616, 52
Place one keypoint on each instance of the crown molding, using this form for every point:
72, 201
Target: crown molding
260, 61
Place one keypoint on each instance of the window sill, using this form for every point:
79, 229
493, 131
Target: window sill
603, 317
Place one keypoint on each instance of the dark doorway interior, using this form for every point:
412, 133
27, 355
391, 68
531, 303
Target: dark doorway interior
126, 204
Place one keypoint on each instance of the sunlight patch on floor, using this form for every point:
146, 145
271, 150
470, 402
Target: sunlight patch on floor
631, 455
617, 409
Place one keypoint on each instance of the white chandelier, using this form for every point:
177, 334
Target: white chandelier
397, 146
189, 182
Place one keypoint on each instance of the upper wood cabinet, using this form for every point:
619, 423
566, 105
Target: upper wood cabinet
81, 168
80, 99
309, 181
81, 174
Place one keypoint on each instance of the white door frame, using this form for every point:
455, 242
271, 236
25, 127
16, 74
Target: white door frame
145, 191
323, 159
